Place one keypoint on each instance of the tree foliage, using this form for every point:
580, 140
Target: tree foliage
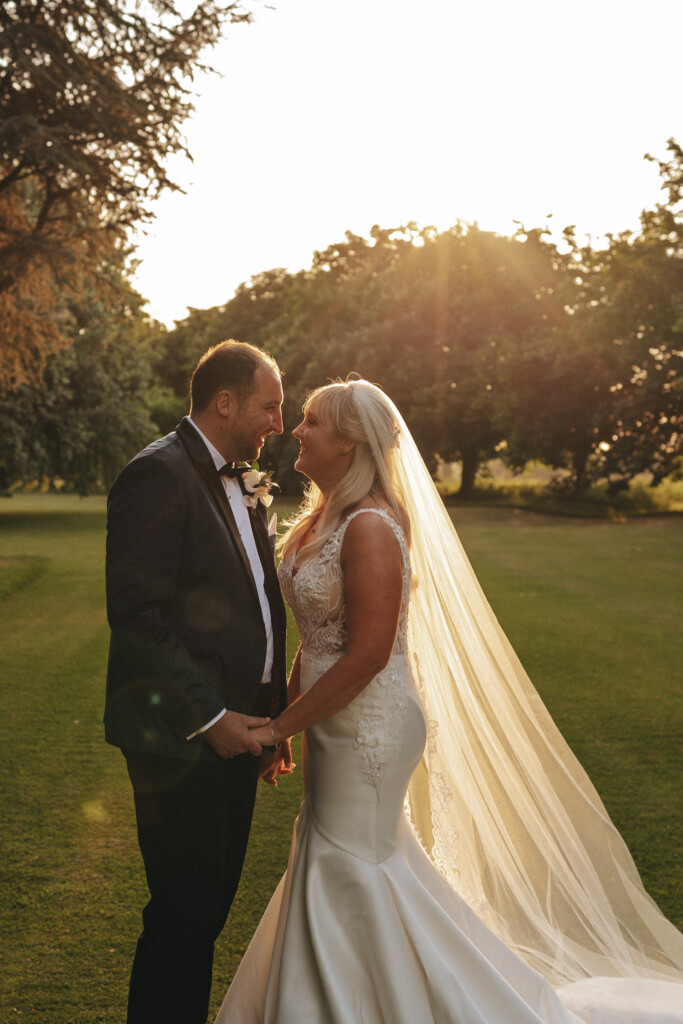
609, 405
640, 311
92, 98
92, 410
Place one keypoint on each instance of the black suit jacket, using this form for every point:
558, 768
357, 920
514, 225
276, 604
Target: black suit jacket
187, 632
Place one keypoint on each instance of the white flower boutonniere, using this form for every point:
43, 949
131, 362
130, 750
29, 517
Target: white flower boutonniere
258, 486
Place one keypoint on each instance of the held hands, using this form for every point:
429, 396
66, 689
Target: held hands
279, 763
237, 734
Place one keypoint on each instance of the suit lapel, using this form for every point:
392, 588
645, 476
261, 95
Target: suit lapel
278, 691
259, 525
201, 458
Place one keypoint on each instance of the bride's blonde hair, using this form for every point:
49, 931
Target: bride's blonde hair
360, 412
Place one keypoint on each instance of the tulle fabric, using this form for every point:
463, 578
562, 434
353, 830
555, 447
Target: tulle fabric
499, 802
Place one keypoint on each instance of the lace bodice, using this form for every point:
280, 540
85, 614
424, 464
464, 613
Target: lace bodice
315, 591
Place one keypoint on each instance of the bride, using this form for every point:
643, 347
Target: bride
451, 862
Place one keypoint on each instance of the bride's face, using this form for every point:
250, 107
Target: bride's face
324, 457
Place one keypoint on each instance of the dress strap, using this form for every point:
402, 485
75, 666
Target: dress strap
398, 532
379, 512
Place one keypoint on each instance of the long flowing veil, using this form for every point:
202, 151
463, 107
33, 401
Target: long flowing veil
499, 802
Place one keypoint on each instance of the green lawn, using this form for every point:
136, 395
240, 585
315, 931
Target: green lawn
592, 607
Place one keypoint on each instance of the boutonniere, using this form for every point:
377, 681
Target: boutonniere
258, 486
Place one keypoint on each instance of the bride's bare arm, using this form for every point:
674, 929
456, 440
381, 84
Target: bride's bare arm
371, 560
294, 684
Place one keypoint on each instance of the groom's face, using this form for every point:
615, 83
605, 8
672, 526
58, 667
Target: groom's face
257, 416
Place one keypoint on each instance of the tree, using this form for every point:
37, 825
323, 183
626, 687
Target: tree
92, 97
436, 319
248, 316
466, 305
555, 396
91, 411
630, 320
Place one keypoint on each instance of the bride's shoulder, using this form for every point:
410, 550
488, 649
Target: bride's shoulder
371, 526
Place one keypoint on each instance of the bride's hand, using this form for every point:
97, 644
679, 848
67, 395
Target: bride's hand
278, 763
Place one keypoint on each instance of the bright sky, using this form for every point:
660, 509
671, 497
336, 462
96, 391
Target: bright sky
340, 114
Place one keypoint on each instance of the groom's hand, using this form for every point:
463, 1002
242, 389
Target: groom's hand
230, 735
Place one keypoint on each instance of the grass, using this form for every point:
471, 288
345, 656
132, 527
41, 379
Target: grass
592, 607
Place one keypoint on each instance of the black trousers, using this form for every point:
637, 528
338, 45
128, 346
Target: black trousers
193, 823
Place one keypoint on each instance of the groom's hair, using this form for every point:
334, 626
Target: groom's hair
229, 366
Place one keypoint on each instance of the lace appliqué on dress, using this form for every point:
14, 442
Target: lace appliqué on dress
379, 713
314, 592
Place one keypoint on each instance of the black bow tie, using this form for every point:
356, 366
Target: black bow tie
230, 469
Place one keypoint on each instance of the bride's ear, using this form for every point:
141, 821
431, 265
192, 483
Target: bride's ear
346, 446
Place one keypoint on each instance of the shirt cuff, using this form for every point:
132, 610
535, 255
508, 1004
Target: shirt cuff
207, 726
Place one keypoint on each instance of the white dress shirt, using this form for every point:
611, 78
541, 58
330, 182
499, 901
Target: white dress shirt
241, 514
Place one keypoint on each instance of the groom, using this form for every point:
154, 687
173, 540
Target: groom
197, 657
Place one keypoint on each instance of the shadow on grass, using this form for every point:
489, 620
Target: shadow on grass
598, 506
19, 572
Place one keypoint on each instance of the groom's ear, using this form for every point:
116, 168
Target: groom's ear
225, 402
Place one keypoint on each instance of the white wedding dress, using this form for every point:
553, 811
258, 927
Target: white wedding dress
363, 928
